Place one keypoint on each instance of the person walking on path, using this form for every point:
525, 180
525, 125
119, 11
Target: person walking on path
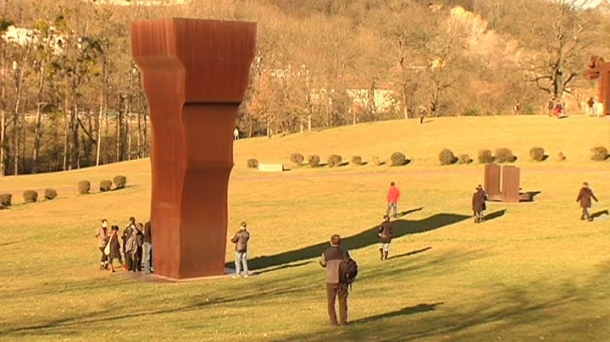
478, 204
331, 260
240, 240
102, 241
147, 258
392, 198
385, 237
584, 197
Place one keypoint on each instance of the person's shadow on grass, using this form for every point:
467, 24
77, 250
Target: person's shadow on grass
409, 310
363, 239
599, 214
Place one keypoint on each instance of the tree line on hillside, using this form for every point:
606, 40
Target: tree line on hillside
70, 95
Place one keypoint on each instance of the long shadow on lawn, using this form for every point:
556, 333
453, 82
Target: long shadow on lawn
360, 240
410, 310
410, 253
600, 213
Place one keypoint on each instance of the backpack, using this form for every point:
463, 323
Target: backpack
348, 270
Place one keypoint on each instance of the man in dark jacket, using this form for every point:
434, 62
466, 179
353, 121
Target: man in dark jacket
241, 250
584, 197
385, 237
478, 203
331, 259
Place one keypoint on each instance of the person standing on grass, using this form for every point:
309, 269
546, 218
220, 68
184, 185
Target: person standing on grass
240, 240
131, 248
385, 237
127, 232
331, 260
584, 197
102, 241
115, 249
147, 248
478, 203
139, 233
392, 198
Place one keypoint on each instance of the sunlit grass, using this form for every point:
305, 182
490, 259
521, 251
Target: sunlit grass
535, 272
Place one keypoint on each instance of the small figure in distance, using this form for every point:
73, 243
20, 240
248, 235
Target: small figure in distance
584, 197
591, 105
331, 260
385, 237
236, 134
241, 250
478, 204
147, 248
422, 114
102, 240
392, 198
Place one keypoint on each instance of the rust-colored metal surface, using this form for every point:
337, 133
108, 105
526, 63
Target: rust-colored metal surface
599, 69
491, 183
195, 73
510, 184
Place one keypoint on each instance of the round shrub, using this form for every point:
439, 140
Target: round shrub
504, 155
398, 159
5, 199
84, 187
356, 160
464, 159
252, 163
446, 157
119, 182
600, 153
334, 160
297, 159
50, 194
30, 196
2, 207
561, 156
376, 161
537, 154
105, 185
485, 156
313, 160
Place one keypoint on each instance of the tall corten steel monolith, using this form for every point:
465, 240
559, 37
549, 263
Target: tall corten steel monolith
599, 69
195, 73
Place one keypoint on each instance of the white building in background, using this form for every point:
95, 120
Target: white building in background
24, 36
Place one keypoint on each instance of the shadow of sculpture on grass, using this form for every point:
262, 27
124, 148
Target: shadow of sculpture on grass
363, 239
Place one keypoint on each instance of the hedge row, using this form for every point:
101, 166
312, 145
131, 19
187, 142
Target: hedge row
84, 186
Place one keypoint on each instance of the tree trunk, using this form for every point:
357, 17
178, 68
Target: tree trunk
119, 128
37, 129
67, 152
98, 147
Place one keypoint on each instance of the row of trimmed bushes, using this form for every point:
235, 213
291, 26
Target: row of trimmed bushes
29, 196
446, 157
334, 160
84, 186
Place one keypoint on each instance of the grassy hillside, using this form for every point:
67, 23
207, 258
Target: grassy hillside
534, 271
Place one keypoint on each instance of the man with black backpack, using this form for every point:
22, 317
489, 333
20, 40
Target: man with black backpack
341, 271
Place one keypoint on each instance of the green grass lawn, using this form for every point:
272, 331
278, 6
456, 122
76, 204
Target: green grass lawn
534, 272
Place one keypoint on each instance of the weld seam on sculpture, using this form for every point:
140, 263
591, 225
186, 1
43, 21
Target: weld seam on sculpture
195, 73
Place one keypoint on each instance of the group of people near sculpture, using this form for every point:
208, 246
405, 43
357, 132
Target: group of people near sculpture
134, 254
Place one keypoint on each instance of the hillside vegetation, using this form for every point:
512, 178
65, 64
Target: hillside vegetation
533, 271
71, 95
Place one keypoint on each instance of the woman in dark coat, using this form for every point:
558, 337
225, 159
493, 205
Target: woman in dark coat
584, 197
478, 203
115, 248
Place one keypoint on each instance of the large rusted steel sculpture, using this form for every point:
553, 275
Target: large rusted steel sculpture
502, 184
600, 70
195, 73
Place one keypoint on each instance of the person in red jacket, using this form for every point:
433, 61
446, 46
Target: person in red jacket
393, 195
